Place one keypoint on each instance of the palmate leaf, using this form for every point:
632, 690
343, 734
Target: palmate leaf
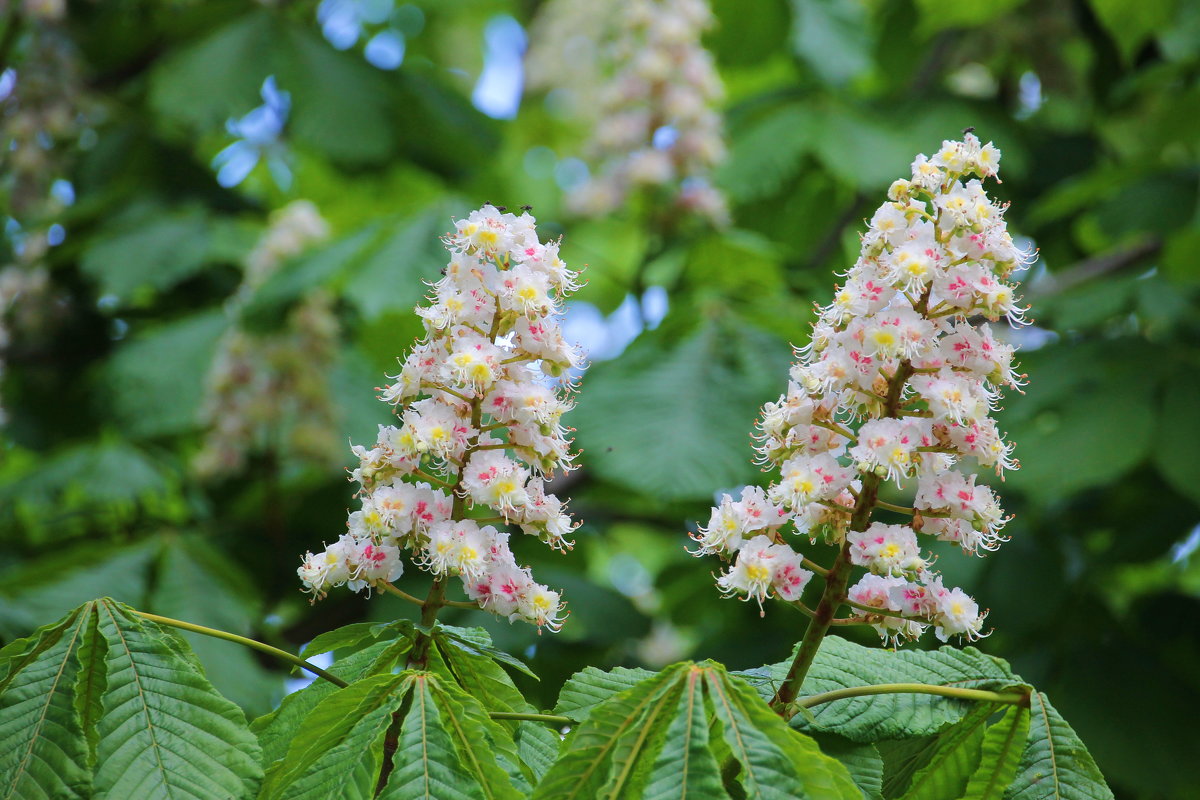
104, 705
477, 641
686, 766
688, 396
165, 732
441, 754
538, 747
484, 681
777, 762
195, 582
43, 752
685, 732
1055, 764
862, 761
1001, 753
633, 754
586, 759
445, 745
842, 664
479, 676
954, 758
591, 687
276, 730
339, 753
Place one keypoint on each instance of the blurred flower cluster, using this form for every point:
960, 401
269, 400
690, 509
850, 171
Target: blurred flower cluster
897, 385
649, 90
23, 297
270, 391
42, 120
480, 431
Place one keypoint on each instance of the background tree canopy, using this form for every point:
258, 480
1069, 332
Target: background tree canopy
149, 145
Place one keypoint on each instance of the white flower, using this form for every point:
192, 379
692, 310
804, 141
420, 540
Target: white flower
886, 549
896, 384
648, 91
474, 392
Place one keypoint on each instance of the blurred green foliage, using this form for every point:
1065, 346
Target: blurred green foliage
1095, 104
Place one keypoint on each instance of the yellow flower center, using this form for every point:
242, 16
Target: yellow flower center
757, 572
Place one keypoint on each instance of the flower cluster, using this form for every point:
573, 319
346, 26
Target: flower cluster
24, 301
651, 100
45, 111
272, 389
480, 430
896, 386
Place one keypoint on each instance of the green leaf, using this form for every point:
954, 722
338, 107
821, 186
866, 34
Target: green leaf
169, 363
51, 586
586, 762
1055, 764
741, 39
442, 752
777, 761
339, 103
477, 641
842, 664
1071, 428
480, 676
686, 766
348, 766
353, 714
91, 681
862, 761
634, 754
165, 731
833, 37
954, 759
860, 148
408, 255
202, 84
484, 680
104, 475
589, 688
1131, 24
538, 747
937, 15
1179, 255
766, 153
147, 252
197, 583
1002, 747
320, 266
276, 730
43, 748
1179, 435
901, 760
352, 635
693, 398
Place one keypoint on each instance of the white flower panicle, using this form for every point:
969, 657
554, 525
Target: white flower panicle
896, 386
650, 96
271, 389
480, 430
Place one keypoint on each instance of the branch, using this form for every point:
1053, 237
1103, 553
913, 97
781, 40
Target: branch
242, 640
1096, 266
1009, 698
